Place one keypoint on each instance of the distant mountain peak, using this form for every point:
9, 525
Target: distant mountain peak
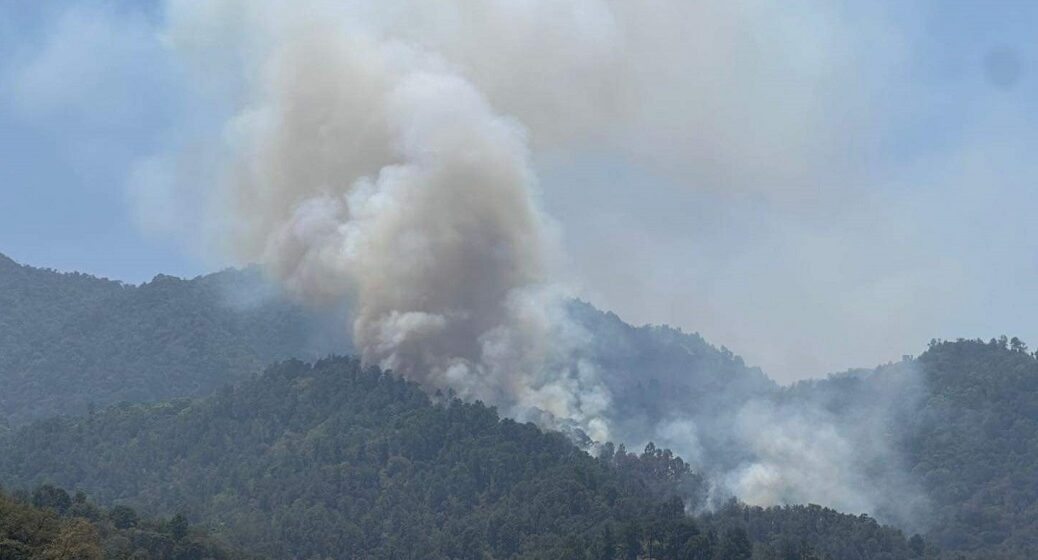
7, 262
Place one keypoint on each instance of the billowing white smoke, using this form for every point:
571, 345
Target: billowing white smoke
369, 168
380, 151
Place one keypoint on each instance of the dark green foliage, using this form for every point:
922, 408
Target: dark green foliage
47, 496
178, 526
333, 460
71, 341
123, 517
975, 446
84, 532
735, 545
802, 532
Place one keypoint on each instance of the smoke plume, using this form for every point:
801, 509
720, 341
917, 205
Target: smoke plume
369, 167
382, 152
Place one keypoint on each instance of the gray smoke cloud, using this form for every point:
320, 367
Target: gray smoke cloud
368, 167
382, 153
837, 442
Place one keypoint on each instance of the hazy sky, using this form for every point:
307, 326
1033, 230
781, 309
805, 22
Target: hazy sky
841, 185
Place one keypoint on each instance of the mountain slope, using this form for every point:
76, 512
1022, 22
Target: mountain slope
309, 461
967, 435
71, 340
956, 427
68, 341
975, 446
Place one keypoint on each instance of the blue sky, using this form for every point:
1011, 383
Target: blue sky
69, 132
930, 234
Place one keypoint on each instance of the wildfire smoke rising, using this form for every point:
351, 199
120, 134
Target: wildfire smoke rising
365, 166
382, 152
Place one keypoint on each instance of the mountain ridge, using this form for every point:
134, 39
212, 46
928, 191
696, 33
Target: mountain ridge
309, 459
69, 341
956, 425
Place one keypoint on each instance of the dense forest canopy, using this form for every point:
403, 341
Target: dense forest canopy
71, 341
310, 461
974, 444
968, 438
50, 524
357, 453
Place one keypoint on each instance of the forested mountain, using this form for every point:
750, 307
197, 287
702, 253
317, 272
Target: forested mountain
333, 460
49, 524
68, 341
71, 340
975, 446
969, 439
659, 373
958, 428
